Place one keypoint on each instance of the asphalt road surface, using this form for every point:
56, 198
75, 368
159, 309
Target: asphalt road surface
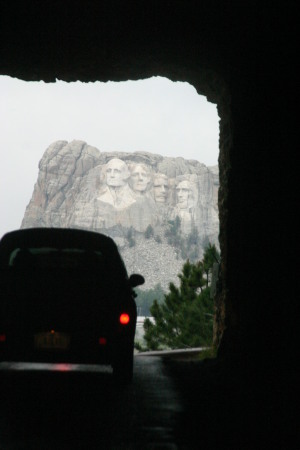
168, 406
77, 407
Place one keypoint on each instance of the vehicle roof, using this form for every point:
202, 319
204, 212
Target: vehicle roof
58, 238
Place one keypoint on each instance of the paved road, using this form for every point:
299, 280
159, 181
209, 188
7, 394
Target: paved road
167, 407
74, 408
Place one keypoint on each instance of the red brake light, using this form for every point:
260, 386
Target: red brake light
2, 337
102, 341
124, 318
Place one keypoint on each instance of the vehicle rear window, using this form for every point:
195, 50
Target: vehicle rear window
56, 258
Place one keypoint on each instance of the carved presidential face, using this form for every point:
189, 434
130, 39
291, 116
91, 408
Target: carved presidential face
117, 173
184, 195
160, 187
139, 178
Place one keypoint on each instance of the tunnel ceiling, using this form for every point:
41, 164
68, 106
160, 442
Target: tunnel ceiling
115, 40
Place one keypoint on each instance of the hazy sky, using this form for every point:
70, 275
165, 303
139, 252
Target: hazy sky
154, 115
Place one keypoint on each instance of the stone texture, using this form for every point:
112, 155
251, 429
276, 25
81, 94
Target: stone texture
119, 193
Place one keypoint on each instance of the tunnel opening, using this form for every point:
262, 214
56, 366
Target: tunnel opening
230, 54
202, 53
188, 113
215, 49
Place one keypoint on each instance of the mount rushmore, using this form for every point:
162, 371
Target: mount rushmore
133, 197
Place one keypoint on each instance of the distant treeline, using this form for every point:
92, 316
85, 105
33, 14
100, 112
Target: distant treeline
145, 299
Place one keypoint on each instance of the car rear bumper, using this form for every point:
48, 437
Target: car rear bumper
105, 352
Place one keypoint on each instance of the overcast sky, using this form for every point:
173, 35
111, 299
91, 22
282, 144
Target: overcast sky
154, 115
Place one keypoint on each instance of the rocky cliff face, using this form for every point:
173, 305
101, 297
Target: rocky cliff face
160, 210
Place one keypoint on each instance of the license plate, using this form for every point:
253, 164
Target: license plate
49, 341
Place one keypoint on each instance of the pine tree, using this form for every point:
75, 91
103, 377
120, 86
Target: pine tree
211, 256
129, 237
185, 317
149, 232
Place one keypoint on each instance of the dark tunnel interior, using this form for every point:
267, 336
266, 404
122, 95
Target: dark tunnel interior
227, 53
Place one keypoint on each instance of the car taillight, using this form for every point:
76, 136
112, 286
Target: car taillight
2, 337
124, 318
102, 341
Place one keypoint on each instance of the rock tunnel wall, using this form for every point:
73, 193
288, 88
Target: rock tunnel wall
214, 47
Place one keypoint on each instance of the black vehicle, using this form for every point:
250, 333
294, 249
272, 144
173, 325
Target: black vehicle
66, 297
